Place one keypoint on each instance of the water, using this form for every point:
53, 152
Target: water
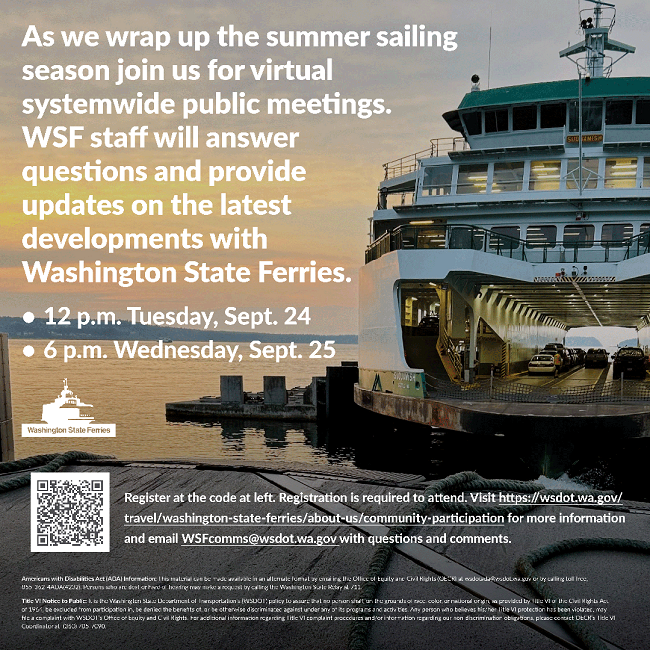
132, 394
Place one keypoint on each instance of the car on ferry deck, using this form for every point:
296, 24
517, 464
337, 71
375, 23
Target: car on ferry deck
429, 325
629, 362
596, 357
542, 364
581, 354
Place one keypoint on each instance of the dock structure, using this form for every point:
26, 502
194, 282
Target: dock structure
329, 397
155, 588
275, 402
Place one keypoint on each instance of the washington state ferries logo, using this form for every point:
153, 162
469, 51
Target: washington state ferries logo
68, 416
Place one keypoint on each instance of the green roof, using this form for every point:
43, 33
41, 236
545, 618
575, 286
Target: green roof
557, 91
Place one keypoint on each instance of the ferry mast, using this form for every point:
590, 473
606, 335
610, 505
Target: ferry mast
595, 63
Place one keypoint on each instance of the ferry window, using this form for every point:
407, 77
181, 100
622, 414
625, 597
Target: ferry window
643, 111
380, 228
437, 180
589, 174
646, 172
466, 237
508, 177
552, 116
619, 112
472, 179
398, 199
406, 237
496, 120
430, 237
616, 233
473, 123
578, 236
541, 236
544, 175
592, 116
504, 238
620, 173
524, 118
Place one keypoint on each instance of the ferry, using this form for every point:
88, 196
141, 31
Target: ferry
66, 409
531, 219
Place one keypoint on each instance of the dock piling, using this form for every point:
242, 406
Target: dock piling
275, 389
6, 421
340, 381
232, 389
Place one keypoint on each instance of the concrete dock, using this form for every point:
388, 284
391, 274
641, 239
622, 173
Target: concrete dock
275, 402
283, 592
329, 397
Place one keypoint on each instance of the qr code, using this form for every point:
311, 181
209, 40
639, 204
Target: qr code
70, 512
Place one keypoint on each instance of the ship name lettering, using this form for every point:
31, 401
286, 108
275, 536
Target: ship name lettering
404, 376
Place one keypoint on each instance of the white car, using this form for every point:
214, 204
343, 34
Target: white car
542, 364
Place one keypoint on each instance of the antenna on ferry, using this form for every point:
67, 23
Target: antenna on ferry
490, 51
597, 29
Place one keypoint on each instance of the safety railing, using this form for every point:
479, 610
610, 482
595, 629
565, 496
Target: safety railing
467, 237
639, 245
447, 347
604, 250
444, 236
409, 163
496, 389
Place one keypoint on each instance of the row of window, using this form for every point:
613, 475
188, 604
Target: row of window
611, 234
554, 116
538, 175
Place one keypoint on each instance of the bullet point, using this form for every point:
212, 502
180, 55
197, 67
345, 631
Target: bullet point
28, 317
28, 351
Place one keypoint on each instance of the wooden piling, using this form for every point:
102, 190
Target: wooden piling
6, 421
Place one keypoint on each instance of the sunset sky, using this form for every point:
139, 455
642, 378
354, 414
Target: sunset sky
342, 154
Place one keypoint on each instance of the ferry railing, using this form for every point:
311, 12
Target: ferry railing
606, 19
593, 251
457, 237
639, 245
603, 250
447, 347
465, 237
486, 390
409, 163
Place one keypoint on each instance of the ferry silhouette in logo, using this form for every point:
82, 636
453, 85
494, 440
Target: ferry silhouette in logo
65, 409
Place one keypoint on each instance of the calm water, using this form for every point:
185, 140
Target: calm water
132, 394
